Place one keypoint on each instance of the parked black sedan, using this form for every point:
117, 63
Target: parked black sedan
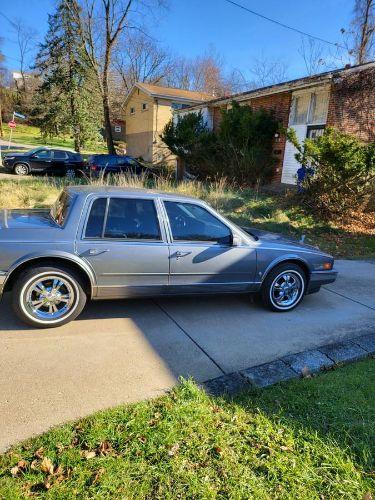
45, 161
113, 164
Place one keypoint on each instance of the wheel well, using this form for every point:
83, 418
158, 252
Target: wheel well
300, 263
51, 261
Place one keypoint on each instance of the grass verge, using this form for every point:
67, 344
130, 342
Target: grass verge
354, 239
28, 134
310, 438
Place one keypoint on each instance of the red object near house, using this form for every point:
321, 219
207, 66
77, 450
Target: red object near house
12, 124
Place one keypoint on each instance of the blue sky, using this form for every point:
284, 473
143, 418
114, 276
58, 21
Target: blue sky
191, 27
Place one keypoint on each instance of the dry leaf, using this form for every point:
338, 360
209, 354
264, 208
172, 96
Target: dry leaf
14, 471
47, 466
173, 450
367, 496
142, 439
89, 454
285, 448
39, 452
34, 465
105, 448
22, 464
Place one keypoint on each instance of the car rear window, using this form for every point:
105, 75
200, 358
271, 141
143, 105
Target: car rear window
60, 209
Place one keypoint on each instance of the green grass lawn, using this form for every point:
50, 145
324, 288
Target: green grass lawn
307, 439
245, 207
27, 134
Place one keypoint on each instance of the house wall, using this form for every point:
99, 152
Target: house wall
139, 126
352, 104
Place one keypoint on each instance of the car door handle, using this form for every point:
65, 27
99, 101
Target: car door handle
179, 254
97, 251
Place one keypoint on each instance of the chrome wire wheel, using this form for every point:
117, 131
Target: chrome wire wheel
21, 169
287, 289
49, 298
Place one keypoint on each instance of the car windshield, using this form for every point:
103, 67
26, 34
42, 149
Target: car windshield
60, 209
32, 151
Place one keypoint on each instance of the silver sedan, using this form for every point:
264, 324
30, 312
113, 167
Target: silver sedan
108, 242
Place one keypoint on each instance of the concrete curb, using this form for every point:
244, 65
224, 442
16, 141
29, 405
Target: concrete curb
293, 366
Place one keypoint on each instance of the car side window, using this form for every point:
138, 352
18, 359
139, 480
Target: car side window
94, 226
132, 218
190, 222
60, 155
44, 154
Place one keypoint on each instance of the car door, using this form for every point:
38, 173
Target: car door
126, 246
204, 255
41, 160
60, 161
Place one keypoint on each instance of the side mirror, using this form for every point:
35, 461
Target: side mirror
236, 240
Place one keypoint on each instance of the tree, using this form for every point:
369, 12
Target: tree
313, 55
100, 23
66, 99
241, 149
268, 72
340, 172
364, 30
140, 59
203, 74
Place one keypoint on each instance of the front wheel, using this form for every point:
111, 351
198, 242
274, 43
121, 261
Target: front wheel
21, 169
284, 287
47, 297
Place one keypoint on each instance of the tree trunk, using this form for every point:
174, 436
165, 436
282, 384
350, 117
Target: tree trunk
106, 110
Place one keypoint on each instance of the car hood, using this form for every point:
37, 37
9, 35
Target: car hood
25, 219
16, 155
268, 237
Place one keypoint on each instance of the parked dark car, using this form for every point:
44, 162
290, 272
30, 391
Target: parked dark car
98, 165
108, 242
45, 161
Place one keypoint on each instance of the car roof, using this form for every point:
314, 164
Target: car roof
87, 190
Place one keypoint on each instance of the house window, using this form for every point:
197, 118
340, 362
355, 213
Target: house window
144, 106
179, 105
132, 111
319, 107
300, 109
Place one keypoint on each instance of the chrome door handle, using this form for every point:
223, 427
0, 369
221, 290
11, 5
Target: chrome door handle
179, 254
97, 251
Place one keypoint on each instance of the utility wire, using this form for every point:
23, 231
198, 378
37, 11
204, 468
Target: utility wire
283, 25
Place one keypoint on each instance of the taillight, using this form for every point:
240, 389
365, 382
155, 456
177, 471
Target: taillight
94, 168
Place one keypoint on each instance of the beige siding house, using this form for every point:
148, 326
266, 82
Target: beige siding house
148, 108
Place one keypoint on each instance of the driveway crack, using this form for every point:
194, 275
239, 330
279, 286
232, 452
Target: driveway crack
349, 298
190, 337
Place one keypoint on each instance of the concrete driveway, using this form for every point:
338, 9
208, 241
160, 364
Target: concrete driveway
123, 351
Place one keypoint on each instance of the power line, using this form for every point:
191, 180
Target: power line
282, 24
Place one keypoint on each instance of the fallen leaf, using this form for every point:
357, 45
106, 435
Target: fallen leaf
367, 496
47, 466
14, 471
142, 439
218, 450
34, 465
89, 454
173, 450
22, 464
39, 452
285, 448
105, 448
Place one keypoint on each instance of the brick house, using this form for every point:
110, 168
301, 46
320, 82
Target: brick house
343, 98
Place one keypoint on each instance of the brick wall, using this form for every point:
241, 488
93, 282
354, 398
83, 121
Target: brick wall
352, 104
280, 104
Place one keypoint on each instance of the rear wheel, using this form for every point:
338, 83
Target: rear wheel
284, 287
21, 169
46, 297
70, 173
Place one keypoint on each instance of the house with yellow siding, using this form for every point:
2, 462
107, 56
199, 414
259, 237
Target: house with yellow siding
148, 108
